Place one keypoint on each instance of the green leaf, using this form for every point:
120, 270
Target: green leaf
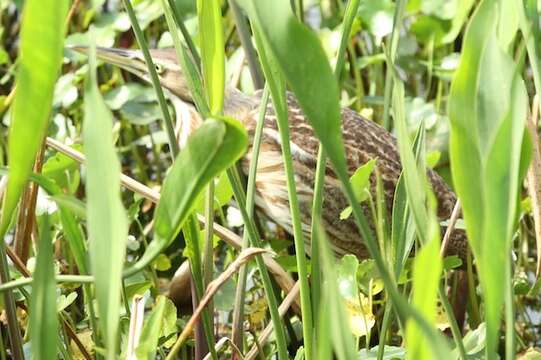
212, 52
106, 217
360, 179
150, 334
488, 106
426, 276
41, 49
360, 184
43, 315
210, 150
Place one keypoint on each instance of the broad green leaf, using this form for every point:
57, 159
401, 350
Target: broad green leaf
43, 315
211, 149
106, 217
212, 52
360, 179
360, 183
488, 106
41, 44
358, 307
148, 343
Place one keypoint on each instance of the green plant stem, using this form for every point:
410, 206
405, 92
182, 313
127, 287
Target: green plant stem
457, 335
168, 121
298, 237
180, 23
384, 327
238, 313
15, 340
265, 278
510, 336
317, 204
191, 234
209, 221
246, 42
395, 35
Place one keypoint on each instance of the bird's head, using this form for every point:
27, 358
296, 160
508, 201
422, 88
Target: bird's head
165, 60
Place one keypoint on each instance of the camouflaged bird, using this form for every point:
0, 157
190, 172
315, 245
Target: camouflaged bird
363, 139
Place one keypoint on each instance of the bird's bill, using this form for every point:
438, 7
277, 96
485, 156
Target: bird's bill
129, 60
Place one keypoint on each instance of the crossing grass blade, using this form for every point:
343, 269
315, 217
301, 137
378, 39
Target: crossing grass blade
106, 218
487, 113
43, 316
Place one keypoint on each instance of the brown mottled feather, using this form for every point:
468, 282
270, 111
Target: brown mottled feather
363, 140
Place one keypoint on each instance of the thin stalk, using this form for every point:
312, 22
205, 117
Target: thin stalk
180, 23
319, 183
384, 327
238, 313
15, 340
510, 336
317, 206
298, 237
455, 330
299, 10
209, 234
246, 42
395, 35
167, 120
474, 305
265, 278
191, 234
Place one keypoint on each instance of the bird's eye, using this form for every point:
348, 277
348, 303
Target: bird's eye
159, 69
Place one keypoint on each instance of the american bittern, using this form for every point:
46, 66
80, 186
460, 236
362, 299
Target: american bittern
364, 140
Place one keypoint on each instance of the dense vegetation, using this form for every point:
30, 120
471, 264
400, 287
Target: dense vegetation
101, 204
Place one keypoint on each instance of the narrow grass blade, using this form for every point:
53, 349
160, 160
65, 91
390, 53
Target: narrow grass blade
487, 112
106, 217
43, 315
276, 84
212, 52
